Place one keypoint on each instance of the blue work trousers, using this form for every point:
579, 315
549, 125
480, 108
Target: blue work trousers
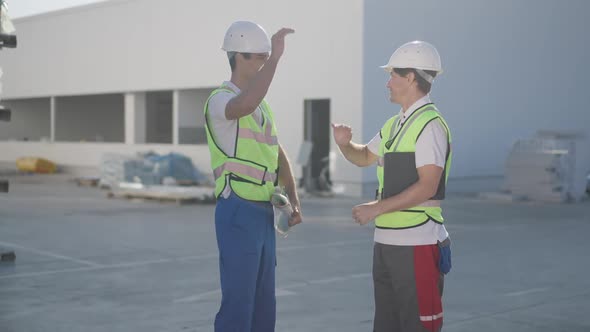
247, 260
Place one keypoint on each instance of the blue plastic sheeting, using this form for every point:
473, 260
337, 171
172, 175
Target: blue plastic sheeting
150, 169
177, 166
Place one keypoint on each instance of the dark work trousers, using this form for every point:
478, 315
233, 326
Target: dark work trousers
408, 288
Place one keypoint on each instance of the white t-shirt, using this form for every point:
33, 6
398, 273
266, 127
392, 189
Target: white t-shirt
431, 149
224, 131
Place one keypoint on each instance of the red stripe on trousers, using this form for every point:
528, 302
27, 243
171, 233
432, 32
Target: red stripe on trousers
427, 279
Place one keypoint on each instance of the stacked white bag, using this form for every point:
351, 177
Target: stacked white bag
552, 167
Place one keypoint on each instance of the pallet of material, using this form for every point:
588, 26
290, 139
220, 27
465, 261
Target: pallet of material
87, 181
176, 194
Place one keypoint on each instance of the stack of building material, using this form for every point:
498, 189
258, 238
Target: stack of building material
179, 195
535, 173
149, 169
178, 167
117, 168
112, 169
551, 167
141, 170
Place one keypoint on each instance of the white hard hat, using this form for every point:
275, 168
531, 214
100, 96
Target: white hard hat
246, 37
418, 55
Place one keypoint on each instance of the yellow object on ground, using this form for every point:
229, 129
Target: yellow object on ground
35, 165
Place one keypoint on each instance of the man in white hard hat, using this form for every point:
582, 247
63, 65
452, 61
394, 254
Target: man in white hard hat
247, 162
413, 153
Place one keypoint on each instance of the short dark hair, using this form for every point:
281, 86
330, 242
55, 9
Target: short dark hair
232, 60
423, 84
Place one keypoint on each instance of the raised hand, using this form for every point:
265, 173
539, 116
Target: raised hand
278, 42
342, 133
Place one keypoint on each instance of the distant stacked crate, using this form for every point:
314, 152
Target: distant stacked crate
117, 168
148, 169
142, 171
550, 167
113, 168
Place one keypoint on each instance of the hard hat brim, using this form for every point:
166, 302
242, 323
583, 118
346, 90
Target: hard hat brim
389, 69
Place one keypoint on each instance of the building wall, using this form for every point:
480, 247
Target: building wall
124, 46
90, 118
88, 155
191, 119
30, 120
159, 117
135, 117
510, 68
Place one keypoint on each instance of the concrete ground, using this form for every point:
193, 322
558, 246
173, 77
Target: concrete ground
88, 263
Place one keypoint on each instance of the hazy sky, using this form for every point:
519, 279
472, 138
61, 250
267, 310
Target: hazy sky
20, 8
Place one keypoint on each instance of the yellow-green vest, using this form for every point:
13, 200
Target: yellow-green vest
251, 169
404, 140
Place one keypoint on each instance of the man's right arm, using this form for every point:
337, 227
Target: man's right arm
251, 96
249, 99
358, 154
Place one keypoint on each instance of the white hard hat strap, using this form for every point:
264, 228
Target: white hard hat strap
425, 75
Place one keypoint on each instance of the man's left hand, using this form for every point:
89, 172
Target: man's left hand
362, 214
296, 217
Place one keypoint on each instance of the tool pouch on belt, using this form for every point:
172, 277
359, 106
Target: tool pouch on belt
444, 260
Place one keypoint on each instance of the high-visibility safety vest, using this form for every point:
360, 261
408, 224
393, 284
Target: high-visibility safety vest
251, 170
403, 139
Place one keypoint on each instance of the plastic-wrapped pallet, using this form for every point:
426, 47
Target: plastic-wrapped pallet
117, 168
176, 166
143, 171
544, 169
112, 169
148, 169
579, 158
536, 172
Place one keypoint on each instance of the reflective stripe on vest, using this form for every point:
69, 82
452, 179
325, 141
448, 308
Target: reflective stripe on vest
252, 172
266, 138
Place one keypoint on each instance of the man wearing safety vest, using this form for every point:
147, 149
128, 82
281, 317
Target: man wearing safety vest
413, 155
247, 162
